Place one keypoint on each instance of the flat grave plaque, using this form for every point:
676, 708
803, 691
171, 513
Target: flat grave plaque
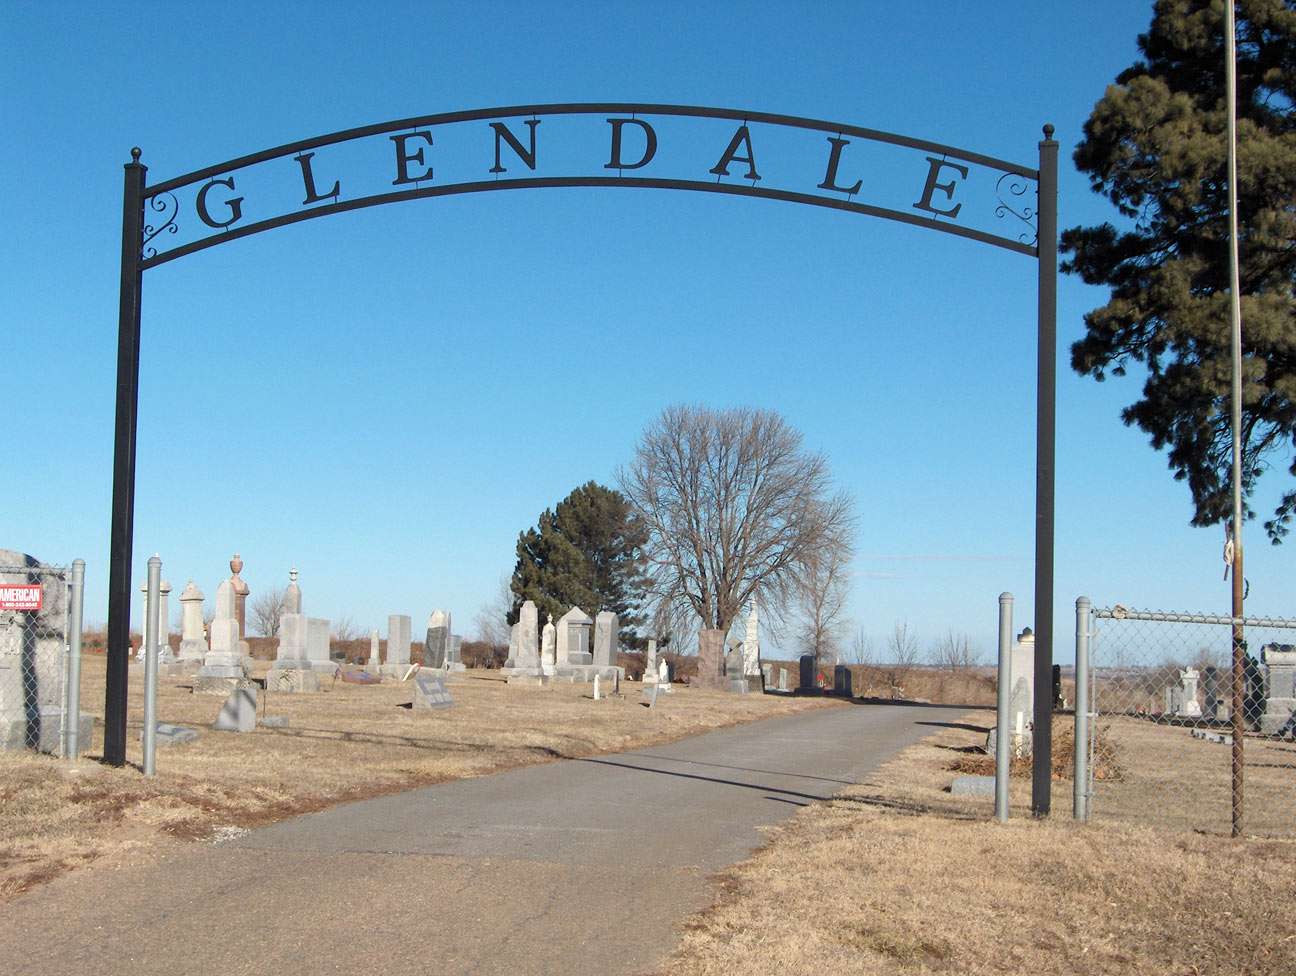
430, 691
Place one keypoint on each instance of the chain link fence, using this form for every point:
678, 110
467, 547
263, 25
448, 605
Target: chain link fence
34, 612
1160, 725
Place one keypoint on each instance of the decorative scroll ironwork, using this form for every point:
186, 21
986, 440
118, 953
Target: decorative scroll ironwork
1017, 187
169, 210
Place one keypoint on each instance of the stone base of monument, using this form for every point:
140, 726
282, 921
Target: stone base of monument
1278, 712
397, 671
214, 685
739, 686
180, 669
585, 673
40, 730
324, 667
532, 677
292, 679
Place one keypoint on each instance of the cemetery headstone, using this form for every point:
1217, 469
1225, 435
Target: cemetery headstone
240, 603
751, 644
514, 631
650, 663
372, 664
843, 681
223, 667
292, 598
238, 714
711, 663
606, 628
808, 679
172, 735
571, 638
454, 653
527, 668
430, 691
548, 645
398, 646
165, 655
1189, 707
438, 637
193, 645
783, 679
1280, 698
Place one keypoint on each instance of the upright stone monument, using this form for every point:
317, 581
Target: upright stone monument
222, 669
809, 677
398, 646
454, 653
711, 665
1189, 706
650, 663
734, 665
240, 604
571, 638
606, 628
31, 655
372, 664
437, 640
751, 645
527, 669
514, 631
166, 656
548, 645
1021, 679
193, 644
1280, 702
294, 669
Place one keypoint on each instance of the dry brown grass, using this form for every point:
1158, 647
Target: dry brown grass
898, 876
344, 743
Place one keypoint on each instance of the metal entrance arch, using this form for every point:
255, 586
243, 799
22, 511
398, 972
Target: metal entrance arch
674, 147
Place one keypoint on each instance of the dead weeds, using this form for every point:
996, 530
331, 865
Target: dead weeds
897, 876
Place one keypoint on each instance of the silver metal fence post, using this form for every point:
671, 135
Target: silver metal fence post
1081, 796
151, 627
1001, 721
72, 696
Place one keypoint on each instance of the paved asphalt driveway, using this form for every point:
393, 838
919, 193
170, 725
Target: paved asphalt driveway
569, 868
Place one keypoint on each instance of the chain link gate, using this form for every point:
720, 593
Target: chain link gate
1159, 725
34, 617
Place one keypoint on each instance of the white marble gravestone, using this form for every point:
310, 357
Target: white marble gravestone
165, 655
650, 663
193, 643
571, 638
751, 644
223, 669
606, 628
398, 646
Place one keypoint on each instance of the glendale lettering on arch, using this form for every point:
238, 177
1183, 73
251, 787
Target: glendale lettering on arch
671, 147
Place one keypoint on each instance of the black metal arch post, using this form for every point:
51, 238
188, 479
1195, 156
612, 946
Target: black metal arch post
943, 167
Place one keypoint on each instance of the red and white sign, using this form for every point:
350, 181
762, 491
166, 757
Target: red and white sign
20, 596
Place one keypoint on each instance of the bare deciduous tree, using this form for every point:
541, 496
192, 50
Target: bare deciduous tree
492, 619
345, 628
821, 594
954, 653
735, 506
903, 649
265, 609
861, 648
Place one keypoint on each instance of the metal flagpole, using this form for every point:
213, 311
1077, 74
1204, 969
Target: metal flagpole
1235, 340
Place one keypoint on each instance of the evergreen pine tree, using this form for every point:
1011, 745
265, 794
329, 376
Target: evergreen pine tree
586, 553
1155, 145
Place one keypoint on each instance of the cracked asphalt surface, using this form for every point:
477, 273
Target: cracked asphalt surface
564, 869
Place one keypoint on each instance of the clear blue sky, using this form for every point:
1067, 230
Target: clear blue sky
385, 398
